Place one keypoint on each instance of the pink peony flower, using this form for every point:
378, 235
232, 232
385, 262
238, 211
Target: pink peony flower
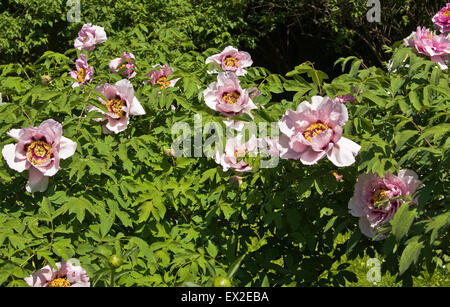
120, 103
235, 152
269, 147
38, 150
67, 275
230, 59
122, 64
227, 97
89, 36
315, 130
160, 75
435, 46
83, 73
369, 201
442, 19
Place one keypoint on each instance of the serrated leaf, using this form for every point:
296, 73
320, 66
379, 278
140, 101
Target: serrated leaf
402, 221
410, 255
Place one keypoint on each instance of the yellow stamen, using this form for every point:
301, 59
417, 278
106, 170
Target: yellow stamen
313, 130
379, 195
230, 61
231, 98
446, 13
81, 74
59, 282
163, 82
115, 106
238, 153
39, 149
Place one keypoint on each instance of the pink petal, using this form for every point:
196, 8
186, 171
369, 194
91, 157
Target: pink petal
37, 182
117, 125
67, 148
136, 108
42, 277
310, 157
9, 153
343, 152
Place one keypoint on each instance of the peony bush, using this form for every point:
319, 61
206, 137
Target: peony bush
171, 166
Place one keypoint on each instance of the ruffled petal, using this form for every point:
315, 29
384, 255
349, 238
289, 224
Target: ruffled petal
9, 154
343, 152
37, 182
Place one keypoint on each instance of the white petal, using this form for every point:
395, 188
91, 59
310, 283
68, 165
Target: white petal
9, 153
37, 182
67, 147
14, 133
136, 107
343, 152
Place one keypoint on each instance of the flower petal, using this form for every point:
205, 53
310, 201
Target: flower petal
37, 182
343, 152
9, 153
67, 148
136, 108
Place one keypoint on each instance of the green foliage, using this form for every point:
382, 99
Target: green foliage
179, 221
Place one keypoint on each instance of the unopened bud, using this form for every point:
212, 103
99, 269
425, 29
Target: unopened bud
45, 79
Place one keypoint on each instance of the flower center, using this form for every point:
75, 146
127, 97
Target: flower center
230, 61
85, 38
313, 130
430, 35
115, 106
238, 153
59, 282
446, 13
231, 98
81, 74
379, 195
163, 82
39, 152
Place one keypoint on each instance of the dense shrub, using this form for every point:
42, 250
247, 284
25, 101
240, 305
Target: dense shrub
134, 214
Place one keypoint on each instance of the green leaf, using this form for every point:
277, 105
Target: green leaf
402, 221
410, 255
235, 266
211, 249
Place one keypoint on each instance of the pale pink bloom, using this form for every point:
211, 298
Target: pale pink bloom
67, 275
315, 131
38, 150
442, 19
371, 199
124, 64
234, 124
269, 147
437, 47
160, 76
120, 103
235, 152
227, 97
231, 59
83, 73
89, 36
